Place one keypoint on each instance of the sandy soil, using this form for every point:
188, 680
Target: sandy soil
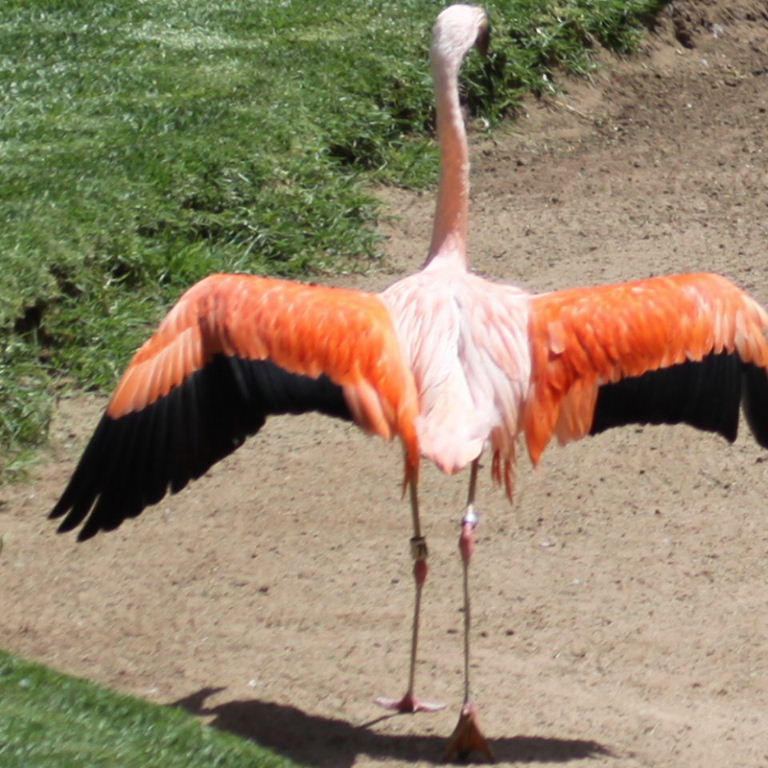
621, 606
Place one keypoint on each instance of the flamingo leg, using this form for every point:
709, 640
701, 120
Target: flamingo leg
467, 736
409, 703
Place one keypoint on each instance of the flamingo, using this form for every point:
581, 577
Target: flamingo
451, 364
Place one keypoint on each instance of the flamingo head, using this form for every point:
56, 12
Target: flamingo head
457, 30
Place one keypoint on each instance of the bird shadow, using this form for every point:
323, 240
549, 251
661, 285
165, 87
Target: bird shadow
328, 743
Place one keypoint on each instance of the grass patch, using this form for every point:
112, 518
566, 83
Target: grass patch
145, 145
50, 720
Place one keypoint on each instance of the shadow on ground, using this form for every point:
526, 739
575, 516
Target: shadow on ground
326, 743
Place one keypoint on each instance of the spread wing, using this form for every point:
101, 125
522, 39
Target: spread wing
235, 349
681, 349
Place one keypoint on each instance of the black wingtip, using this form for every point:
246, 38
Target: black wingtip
88, 531
705, 394
134, 461
756, 402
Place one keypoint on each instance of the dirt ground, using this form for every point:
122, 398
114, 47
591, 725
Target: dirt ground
621, 606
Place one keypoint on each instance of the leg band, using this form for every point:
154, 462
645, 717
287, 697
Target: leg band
419, 548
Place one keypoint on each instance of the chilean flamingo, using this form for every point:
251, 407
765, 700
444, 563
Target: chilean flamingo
448, 362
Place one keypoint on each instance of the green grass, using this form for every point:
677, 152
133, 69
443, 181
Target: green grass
50, 720
146, 144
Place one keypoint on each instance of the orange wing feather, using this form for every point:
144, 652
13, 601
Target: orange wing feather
305, 329
585, 337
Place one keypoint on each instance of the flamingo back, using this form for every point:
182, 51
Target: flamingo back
465, 340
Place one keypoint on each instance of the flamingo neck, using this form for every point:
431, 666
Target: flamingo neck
449, 234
